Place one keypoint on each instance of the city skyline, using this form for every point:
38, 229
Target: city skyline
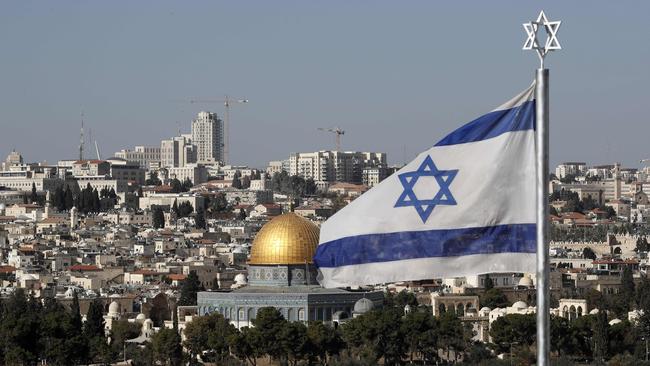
387, 75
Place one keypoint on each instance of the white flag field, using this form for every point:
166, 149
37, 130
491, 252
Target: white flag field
466, 206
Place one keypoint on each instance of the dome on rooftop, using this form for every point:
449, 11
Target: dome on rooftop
287, 239
520, 305
363, 306
240, 279
114, 308
526, 282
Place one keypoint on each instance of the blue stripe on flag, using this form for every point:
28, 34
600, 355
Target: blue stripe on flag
494, 124
371, 248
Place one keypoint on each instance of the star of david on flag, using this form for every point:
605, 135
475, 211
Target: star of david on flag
424, 207
465, 206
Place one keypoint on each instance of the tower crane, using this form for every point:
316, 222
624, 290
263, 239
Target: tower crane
227, 102
338, 132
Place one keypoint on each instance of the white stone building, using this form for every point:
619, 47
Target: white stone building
208, 136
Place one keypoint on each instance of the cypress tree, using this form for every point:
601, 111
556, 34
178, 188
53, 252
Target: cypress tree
69, 199
33, 197
96, 201
76, 313
94, 326
190, 287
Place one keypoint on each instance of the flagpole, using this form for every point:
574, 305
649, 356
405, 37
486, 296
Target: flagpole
542, 142
543, 285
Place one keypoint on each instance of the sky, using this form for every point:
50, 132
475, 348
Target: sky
397, 76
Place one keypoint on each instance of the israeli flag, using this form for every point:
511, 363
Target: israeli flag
466, 206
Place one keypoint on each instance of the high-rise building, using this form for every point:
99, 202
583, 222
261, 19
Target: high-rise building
177, 152
208, 136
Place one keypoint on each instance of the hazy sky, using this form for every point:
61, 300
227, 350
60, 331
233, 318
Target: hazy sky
397, 76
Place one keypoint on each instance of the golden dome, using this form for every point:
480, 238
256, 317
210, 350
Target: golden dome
287, 239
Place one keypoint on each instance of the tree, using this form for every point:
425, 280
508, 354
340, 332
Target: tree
379, 332
177, 186
310, 187
270, 322
158, 217
166, 347
325, 341
420, 331
121, 331
601, 337
294, 342
69, 199
218, 203
96, 202
246, 182
451, 334
76, 313
208, 336
404, 298
153, 180
175, 207
62, 344
187, 185
494, 298
94, 326
199, 219
185, 209
93, 330
489, 284
19, 331
627, 283
34, 196
236, 181
588, 253
513, 329
189, 288
247, 344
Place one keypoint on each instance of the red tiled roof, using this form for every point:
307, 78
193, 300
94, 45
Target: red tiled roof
573, 215
54, 220
177, 277
7, 269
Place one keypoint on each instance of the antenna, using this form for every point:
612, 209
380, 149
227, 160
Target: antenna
81, 138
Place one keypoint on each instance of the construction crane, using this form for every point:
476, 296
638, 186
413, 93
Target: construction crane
99, 157
81, 138
227, 102
338, 132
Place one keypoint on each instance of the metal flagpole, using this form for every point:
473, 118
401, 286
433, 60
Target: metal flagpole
542, 143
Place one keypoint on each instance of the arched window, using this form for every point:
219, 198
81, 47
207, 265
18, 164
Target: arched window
460, 310
251, 314
291, 316
240, 315
301, 314
442, 308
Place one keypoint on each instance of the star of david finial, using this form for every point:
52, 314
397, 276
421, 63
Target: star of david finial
424, 206
533, 43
